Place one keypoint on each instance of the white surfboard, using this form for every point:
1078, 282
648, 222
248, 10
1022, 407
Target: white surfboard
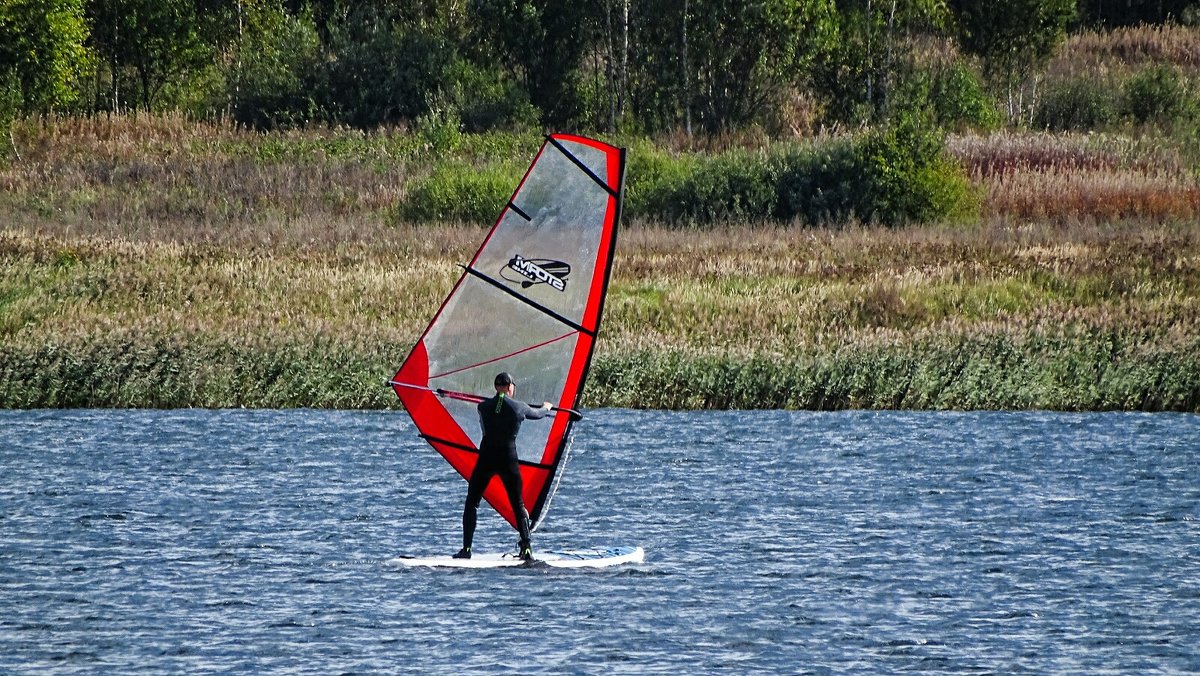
575, 558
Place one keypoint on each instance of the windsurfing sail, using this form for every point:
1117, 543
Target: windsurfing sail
529, 303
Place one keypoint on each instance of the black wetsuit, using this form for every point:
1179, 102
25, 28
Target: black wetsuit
501, 419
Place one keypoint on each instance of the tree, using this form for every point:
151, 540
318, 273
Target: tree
42, 45
387, 65
152, 40
742, 55
859, 74
740, 58
1013, 38
542, 43
274, 79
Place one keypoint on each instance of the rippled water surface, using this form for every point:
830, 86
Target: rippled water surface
257, 541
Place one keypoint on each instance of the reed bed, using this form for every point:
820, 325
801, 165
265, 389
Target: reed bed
1080, 176
1092, 317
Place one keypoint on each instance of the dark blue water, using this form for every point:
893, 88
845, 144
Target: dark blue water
256, 541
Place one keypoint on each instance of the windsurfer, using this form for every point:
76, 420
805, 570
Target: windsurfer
501, 418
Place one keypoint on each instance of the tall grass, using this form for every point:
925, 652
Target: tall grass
1084, 317
1123, 50
1063, 177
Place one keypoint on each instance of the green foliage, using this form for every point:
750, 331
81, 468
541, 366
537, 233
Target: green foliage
1013, 38
459, 192
740, 62
737, 186
822, 185
540, 42
859, 71
145, 43
908, 177
1158, 95
1077, 104
958, 101
383, 71
1111, 14
487, 100
742, 54
894, 175
275, 82
1071, 369
42, 42
176, 371
655, 179
440, 129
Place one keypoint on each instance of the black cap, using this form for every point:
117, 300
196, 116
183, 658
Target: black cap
503, 380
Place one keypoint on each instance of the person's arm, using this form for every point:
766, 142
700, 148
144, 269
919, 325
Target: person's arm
531, 413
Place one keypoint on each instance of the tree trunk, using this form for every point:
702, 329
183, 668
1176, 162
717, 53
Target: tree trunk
624, 88
609, 75
687, 85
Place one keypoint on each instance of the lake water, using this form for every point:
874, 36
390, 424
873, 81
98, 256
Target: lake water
256, 541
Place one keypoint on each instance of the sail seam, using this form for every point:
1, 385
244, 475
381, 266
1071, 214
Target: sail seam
544, 343
538, 306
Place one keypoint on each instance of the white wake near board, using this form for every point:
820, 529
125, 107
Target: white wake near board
573, 558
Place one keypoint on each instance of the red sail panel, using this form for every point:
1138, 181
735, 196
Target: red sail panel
529, 303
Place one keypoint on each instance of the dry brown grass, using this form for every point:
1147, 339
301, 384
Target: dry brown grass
1118, 52
754, 290
1065, 177
167, 179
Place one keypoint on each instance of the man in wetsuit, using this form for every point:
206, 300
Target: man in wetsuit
501, 418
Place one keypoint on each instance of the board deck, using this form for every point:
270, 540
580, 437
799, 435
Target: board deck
576, 558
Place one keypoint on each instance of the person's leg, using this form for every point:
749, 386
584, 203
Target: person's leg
480, 477
511, 476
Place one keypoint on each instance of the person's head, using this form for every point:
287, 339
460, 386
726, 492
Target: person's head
504, 383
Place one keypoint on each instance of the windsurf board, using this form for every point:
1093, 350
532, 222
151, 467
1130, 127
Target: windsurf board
575, 558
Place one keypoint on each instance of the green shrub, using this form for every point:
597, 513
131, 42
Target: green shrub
459, 192
486, 100
820, 185
736, 186
440, 129
1157, 94
907, 175
1079, 104
894, 175
959, 101
655, 181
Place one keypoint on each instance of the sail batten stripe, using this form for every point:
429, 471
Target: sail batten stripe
585, 168
520, 213
530, 302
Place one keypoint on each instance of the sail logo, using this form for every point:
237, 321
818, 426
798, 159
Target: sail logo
530, 271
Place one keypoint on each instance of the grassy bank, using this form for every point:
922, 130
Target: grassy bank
997, 316
154, 261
